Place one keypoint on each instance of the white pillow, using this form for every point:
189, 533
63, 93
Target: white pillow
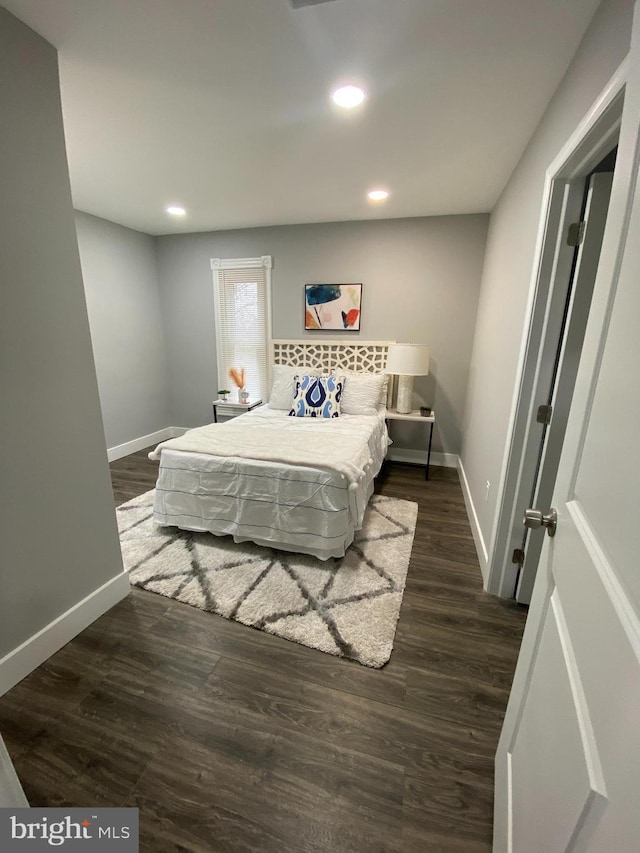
364, 393
283, 387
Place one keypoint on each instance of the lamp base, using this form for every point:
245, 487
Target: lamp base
405, 392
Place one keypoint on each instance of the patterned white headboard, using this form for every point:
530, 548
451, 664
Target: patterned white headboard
331, 354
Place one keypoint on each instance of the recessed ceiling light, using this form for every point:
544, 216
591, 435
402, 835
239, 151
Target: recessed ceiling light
348, 96
175, 211
378, 195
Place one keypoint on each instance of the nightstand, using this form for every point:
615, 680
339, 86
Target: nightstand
393, 415
232, 410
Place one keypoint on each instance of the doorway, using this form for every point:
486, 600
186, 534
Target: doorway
577, 194
584, 237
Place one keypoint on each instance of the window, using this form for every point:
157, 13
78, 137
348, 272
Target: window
242, 299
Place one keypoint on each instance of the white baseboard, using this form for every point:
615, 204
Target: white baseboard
478, 538
37, 649
419, 457
143, 441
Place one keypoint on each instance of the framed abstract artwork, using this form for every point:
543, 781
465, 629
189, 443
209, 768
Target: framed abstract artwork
332, 306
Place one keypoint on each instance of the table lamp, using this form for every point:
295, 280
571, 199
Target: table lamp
407, 361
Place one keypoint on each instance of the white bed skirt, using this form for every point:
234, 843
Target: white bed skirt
304, 510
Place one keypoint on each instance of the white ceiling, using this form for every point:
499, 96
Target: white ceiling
223, 106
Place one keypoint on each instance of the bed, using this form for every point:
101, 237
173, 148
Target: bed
294, 483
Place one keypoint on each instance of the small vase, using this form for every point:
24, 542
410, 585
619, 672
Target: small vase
243, 396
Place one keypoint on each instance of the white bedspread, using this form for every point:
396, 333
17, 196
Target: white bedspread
346, 445
309, 509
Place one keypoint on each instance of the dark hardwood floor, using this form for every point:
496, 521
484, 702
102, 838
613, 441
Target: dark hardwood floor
229, 739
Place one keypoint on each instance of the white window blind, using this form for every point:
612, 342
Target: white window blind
242, 298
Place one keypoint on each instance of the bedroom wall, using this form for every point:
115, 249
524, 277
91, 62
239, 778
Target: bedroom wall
421, 278
500, 325
121, 288
58, 528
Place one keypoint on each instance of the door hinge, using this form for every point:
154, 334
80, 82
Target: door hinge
517, 556
544, 414
575, 234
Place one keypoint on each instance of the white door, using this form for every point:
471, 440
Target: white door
568, 761
564, 369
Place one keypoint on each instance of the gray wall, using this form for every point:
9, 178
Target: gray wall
510, 253
121, 287
58, 530
420, 277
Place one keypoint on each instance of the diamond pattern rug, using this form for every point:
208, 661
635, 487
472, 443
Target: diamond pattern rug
346, 607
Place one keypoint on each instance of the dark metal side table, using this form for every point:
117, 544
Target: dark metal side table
393, 415
231, 410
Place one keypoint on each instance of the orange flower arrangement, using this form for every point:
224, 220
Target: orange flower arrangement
236, 374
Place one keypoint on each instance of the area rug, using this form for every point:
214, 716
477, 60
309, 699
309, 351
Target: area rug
346, 607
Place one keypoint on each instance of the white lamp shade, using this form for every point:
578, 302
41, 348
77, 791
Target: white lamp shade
408, 360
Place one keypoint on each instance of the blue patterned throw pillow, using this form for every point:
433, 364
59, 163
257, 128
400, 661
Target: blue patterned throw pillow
317, 396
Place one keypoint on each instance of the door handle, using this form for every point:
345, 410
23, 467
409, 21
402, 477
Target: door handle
534, 518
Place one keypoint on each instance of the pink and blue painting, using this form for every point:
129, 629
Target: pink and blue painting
332, 306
